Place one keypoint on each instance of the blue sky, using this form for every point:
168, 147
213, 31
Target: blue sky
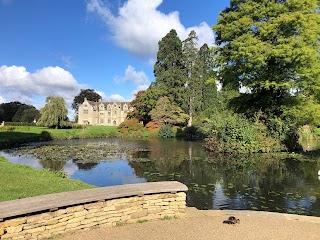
57, 47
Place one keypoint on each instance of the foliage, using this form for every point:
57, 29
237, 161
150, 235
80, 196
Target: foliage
210, 94
89, 94
140, 110
131, 127
194, 81
19, 181
7, 128
231, 132
272, 48
193, 133
169, 69
166, 131
19, 124
18, 112
153, 126
54, 113
26, 113
167, 112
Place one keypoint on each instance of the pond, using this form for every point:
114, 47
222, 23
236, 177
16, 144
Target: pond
259, 182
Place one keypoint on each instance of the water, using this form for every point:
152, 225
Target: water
258, 182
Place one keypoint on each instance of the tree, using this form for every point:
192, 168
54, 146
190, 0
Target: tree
169, 69
9, 110
26, 113
139, 109
272, 48
89, 94
167, 112
194, 78
54, 113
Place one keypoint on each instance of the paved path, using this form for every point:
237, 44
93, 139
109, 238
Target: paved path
208, 224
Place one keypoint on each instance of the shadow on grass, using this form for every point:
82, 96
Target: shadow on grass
14, 139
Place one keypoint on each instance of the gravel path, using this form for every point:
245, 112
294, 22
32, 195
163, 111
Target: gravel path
208, 224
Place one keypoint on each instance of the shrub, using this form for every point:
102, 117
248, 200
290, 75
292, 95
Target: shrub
46, 136
7, 128
234, 133
153, 126
193, 133
112, 134
19, 124
77, 126
131, 127
165, 131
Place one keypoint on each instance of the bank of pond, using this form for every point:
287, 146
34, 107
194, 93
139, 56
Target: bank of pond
280, 182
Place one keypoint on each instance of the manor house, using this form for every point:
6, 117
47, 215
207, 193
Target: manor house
102, 113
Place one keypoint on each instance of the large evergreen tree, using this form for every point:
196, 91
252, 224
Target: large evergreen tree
54, 113
272, 48
209, 86
169, 69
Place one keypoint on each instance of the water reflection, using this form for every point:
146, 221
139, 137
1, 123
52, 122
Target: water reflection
256, 182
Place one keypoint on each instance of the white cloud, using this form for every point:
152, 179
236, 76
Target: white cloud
139, 88
138, 77
2, 100
102, 94
117, 98
138, 25
17, 84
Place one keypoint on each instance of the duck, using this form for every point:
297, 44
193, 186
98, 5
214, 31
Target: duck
232, 220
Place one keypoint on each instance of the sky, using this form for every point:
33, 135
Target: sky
57, 47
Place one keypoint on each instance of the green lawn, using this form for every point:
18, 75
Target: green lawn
19, 181
30, 134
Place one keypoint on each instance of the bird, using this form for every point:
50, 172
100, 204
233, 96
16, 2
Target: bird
232, 220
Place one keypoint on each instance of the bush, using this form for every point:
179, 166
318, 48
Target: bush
19, 124
153, 126
166, 131
193, 133
46, 136
234, 133
131, 128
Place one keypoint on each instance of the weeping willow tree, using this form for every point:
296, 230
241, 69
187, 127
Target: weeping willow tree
54, 113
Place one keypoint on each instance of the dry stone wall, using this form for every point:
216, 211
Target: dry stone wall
109, 212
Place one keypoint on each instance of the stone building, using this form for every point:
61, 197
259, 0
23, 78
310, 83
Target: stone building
102, 113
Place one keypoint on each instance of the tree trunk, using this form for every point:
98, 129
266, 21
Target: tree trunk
190, 114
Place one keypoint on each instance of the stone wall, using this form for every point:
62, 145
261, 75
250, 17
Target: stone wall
109, 212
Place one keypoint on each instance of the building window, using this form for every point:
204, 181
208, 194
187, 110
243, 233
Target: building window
115, 112
109, 121
109, 114
85, 112
101, 120
101, 113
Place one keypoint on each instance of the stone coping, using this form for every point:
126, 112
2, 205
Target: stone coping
57, 200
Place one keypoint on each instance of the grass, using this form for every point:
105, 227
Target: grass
19, 181
142, 221
167, 218
31, 134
